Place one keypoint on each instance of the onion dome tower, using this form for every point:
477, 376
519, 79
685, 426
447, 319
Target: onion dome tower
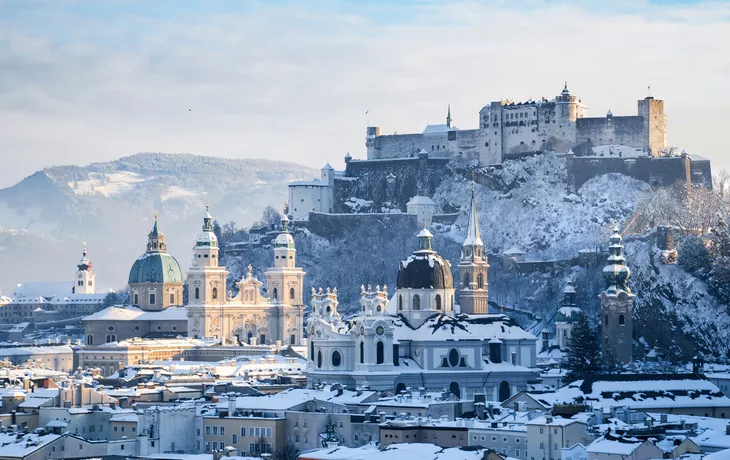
206, 279
155, 280
617, 302
567, 315
473, 267
425, 283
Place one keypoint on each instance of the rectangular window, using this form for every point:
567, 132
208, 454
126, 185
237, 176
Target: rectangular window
252, 448
116, 428
172, 299
207, 429
243, 431
268, 432
222, 432
207, 446
250, 431
296, 438
234, 439
122, 429
215, 430
152, 299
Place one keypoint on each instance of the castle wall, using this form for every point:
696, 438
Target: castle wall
611, 130
445, 144
655, 124
653, 171
389, 183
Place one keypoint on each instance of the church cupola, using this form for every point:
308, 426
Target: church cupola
205, 252
473, 266
156, 239
424, 240
84, 276
284, 250
616, 273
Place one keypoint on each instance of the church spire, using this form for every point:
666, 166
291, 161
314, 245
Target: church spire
156, 239
448, 117
473, 237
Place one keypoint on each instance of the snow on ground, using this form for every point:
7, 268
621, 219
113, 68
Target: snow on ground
537, 214
107, 184
175, 191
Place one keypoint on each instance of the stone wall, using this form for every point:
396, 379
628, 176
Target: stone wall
611, 130
653, 171
446, 144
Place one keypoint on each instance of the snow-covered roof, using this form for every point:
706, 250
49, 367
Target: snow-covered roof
641, 392
42, 289
49, 350
125, 417
15, 446
410, 451
437, 129
614, 445
418, 199
128, 312
79, 298
463, 327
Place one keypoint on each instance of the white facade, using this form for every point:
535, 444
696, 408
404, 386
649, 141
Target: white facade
423, 207
247, 317
312, 196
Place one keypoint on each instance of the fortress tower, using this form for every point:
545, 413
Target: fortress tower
84, 276
617, 303
473, 267
655, 125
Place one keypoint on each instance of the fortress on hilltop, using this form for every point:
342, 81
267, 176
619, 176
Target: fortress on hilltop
508, 129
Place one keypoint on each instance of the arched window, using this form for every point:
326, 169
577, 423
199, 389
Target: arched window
275, 294
400, 302
214, 293
89, 340
504, 391
291, 293
454, 388
319, 359
605, 323
480, 281
336, 358
172, 298
136, 299
438, 302
621, 320
380, 353
362, 352
466, 280
311, 348
197, 293
400, 388
416, 302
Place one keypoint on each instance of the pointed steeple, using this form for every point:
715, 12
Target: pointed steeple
473, 237
208, 219
85, 263
448, 117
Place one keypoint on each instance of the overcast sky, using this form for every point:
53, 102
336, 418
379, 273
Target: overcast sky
82, 82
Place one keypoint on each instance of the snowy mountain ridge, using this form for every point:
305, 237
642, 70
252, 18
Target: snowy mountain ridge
45, 218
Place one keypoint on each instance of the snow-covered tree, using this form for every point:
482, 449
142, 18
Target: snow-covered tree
694, 257
583, 357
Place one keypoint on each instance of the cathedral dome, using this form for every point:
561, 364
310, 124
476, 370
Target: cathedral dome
425, 269
155, 267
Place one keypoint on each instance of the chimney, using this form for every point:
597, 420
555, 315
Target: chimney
548, 419
382, 417
598, 416
231, 405
664, 418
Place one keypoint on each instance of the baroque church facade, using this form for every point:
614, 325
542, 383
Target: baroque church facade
212, 312
415, 339
248, 317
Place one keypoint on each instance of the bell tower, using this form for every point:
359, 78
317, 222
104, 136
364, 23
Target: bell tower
473, 267
85, 276
284, 284
206, 279
617, 304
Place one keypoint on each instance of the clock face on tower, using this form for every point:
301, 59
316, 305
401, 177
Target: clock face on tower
379, 330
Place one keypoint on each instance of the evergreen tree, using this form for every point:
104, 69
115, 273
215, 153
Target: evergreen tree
694, 257
583, 357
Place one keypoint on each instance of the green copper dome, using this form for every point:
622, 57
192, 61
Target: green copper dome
155, 267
